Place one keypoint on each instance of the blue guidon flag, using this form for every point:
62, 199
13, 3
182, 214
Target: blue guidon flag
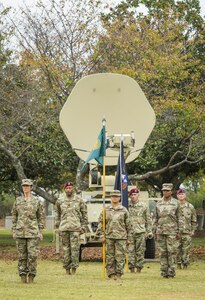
121, 180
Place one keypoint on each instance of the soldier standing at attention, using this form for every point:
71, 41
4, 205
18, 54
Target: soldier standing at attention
166, 226
142, 229
71, 220
27, 226
117, 235
187, 226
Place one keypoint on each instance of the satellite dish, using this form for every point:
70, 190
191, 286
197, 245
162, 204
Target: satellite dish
116, 97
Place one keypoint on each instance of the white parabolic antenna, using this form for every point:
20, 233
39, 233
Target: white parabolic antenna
116, 97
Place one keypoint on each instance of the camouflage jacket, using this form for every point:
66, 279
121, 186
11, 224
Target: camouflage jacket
166, 217
27, 217
140, 217
117, 223
71, 214
187, 220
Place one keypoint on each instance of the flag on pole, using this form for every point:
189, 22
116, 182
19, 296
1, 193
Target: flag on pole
121, 179
98, 151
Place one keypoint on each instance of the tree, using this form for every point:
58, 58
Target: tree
159, 51
55, 45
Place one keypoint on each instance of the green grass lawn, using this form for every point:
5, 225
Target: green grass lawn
52, 283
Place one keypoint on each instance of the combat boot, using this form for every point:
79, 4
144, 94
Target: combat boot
179, 266
112, 276
132, 270
30, 278
23, 279
68, 272
73, 271
138, 270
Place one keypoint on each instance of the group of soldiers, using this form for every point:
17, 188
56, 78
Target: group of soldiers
126, 230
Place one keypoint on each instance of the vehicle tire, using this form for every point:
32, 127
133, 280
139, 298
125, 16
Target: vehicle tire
150, 248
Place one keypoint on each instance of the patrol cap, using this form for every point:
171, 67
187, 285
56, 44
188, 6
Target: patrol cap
68, 183
134, 191
181, 191
27, 182
115, 193
167, 186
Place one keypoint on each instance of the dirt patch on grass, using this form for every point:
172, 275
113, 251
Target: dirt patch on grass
88, 254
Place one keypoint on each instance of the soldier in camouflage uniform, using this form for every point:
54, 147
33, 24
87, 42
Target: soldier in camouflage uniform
71, 220
27, 226
166, 226
142, 229
117, 235
187, 226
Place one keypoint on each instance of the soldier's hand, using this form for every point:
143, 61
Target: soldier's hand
102, 238
82, 230
128, 242
192, 233
178, 236
14, 236
40, 236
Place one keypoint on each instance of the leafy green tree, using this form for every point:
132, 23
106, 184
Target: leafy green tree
159, 51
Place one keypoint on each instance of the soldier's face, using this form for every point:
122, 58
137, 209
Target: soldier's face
26, 188
115, 199
134, 197
167, 193
69, 190
181, 197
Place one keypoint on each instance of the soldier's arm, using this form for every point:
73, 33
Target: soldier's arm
155, 221
14, 219
99, 231
128, 226
84, 212
57, 215
40, 216
148, 223
193, 220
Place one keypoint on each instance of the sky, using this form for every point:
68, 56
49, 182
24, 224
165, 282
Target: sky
17, 3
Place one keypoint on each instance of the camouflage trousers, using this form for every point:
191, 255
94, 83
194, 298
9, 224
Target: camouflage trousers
71, 249
183, 249
115, 256
167, 246
136, 250
27, 255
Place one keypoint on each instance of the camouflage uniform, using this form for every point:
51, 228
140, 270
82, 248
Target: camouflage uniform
71, 220
118, 231
142, 227
27, 222
187, 226
166, 225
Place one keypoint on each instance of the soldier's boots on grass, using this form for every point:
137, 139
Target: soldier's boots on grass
112, 276
23, 279
71, 271
132, 270
139, 270
31, 278
118, 276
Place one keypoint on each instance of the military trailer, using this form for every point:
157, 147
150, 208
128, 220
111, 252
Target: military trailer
113, 99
